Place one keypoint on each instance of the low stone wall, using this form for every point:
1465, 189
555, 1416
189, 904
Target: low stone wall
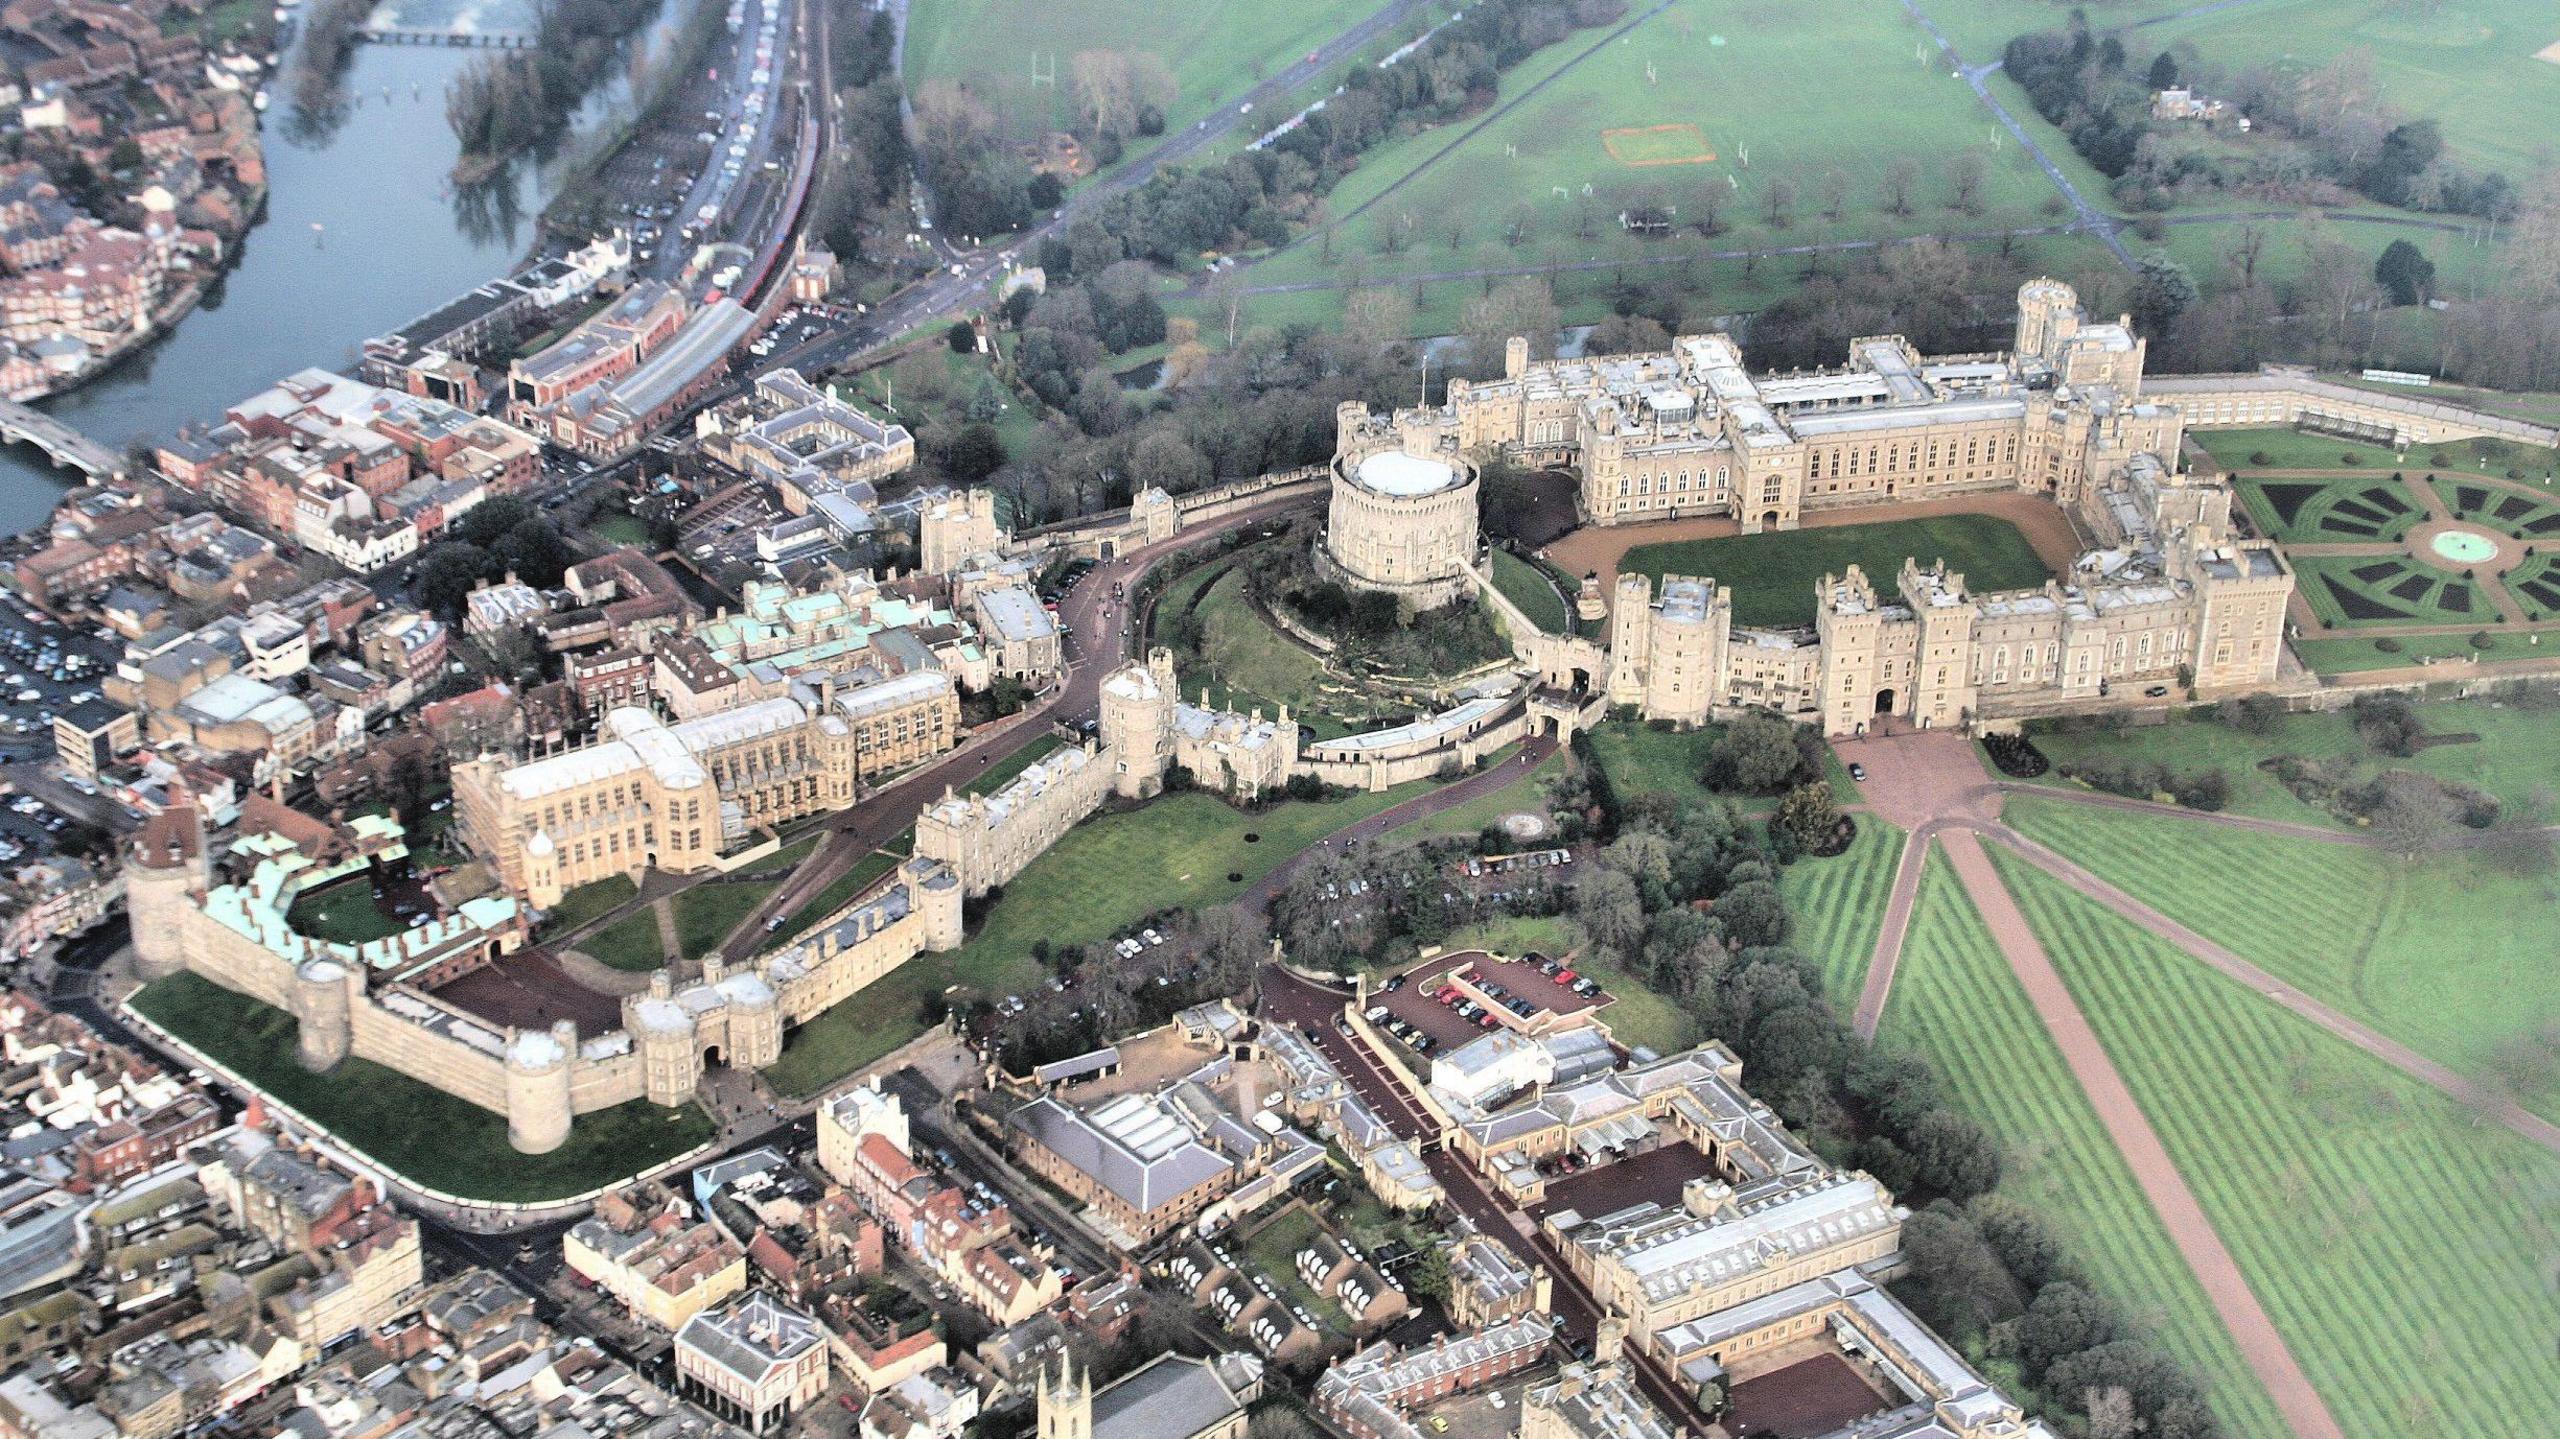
1422, 759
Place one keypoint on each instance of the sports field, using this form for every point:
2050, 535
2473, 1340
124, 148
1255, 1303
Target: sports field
1773, 576
1955, 1000
2434, 954
1765, 87
1215, 49
2399, 1245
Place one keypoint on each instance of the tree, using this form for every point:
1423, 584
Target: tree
962, 338
2164, 71
1755, 754
2405, 273
1900, 179
1607, 909
1832, 192
1966, 175
2413, 815
976, 452
1809, 814
2162, 291
2065, 1319
1777, 201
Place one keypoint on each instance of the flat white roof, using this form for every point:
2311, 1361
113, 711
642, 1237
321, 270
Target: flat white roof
1395, 472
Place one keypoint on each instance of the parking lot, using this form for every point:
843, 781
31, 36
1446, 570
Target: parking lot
1434, 1002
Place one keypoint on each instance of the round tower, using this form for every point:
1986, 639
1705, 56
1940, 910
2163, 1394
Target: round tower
538, 1087
666, 1039
542, 871
165, 876
934, 889
1137, 722
322, 1014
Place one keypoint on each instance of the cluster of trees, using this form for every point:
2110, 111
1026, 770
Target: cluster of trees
2205, 789
1377, 906
862, 187
328, 43
1982, 1267
498, 537
2326, 127
1207, 954
508, 103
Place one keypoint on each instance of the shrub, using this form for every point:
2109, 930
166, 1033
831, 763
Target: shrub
2483, 640
2388, 645
2261, 457
2350, 458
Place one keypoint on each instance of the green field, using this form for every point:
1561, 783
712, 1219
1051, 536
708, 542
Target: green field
2293, 450
1838, 904
2431, 954
1526, 794
1766, 100
1107, 873
422, 1133
590, 902
1955, 1000
1527, 586
996, 776
631, 942
1773, 576
2348, 511
345, 912
615, 527
2349, 656
2399, 1244
1215, 50
2511, 759
707, 912
2468, 65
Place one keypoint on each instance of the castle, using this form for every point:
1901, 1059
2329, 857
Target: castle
228, 923
2170, 593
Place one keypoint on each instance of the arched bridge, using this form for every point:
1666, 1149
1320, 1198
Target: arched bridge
65, 445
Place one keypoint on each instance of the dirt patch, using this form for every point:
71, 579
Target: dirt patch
1643, 146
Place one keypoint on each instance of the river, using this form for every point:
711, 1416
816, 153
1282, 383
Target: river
362, 234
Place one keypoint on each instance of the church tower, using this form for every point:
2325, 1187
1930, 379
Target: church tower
1066, 1411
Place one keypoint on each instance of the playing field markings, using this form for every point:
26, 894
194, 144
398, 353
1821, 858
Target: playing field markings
1642, 146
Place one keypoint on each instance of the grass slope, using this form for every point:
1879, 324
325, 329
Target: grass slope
1955, 1001
1107, 873
2400, 1246
2431, 953
1838, 904
423, 1133
1773, 576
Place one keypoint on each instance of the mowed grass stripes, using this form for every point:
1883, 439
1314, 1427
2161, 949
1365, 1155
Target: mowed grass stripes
1955, 1001
1839, 903
2450, 955
2401, 1246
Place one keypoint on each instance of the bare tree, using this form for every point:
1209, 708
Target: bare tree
1777, 201
1900, 179
1517, 224
1106, 91
1833, 188
1966, 175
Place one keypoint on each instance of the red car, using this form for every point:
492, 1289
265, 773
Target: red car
1486, 1020
1566, 977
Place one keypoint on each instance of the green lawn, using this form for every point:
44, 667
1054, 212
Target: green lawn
346, 912
2511, 759
1527, 586
1643, 760
2432, 954
2349, 656
631, 942
1214, 50
2294, 450
1107, 873
1838, 904
589, 902
2401, 1245
616, 527
707, 912
422, 1133
1246, 664
1955, 1000
1773, 576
